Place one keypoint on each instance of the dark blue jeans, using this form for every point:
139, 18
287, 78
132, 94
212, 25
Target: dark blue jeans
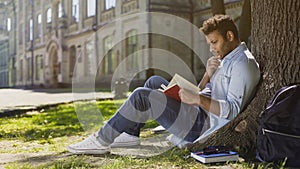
183, 120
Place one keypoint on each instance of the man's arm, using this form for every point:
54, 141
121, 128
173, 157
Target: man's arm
204, 81
211, 66
209, 104
204, 102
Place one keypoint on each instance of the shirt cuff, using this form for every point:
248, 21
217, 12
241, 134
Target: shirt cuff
224, 110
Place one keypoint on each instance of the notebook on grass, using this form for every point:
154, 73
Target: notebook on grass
213, 158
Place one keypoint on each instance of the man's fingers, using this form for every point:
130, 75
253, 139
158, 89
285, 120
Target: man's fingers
214, 64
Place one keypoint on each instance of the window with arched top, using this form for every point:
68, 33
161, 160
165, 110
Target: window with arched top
38, 66
109, 55
72, 61
39, 25
132, 48
60, 10
49, 15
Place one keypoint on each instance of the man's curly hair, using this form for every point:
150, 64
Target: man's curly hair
220, 23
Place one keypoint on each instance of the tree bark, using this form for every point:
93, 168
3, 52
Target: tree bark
276, 46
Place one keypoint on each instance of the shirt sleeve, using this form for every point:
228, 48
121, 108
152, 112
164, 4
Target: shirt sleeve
243, 79
207, 90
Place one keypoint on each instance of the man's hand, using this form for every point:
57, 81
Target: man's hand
189, 97
204, 102
212, 65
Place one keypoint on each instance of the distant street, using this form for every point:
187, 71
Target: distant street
11, 99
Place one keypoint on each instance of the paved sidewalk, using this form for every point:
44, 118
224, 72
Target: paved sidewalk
18, 99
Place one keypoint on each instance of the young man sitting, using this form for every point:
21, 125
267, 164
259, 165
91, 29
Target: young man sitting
227, 87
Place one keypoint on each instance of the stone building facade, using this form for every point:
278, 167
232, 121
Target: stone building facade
4, 61
7, 45
60, 42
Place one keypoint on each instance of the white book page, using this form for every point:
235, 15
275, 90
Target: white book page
185, 84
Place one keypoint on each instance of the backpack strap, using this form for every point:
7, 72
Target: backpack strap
280, 92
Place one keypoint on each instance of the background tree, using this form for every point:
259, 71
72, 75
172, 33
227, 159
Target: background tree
276, 46
245, 22
217, 7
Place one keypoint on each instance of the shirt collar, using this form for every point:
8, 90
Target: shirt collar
238, 49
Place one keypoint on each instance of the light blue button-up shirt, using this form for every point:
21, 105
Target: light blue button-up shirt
234, 82
233, 85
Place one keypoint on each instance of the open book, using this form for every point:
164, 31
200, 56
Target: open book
176, 84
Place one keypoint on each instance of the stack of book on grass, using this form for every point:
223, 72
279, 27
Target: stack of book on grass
214, 154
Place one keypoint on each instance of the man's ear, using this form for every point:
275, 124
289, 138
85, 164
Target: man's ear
230, 35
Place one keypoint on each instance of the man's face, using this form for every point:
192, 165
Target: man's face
218, 45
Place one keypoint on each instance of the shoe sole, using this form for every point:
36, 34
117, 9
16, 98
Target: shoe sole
125, 144
88, 151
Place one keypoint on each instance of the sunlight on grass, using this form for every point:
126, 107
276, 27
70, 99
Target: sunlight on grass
51, 123
51, 130
53, 126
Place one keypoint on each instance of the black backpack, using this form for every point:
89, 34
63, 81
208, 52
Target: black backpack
278, 137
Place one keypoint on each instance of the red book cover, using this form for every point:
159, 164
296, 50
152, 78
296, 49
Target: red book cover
173, 92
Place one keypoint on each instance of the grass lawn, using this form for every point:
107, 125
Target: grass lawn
38, 139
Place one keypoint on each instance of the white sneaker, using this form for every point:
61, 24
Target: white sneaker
158, 129
126, 140
179, 142
89, 146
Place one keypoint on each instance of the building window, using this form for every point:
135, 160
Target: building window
132, 47
21, 33
8, 24
60, 10
110, 4
91, 6
39, 25
38, 63
42, 62
3, 54
21, 70
72, 61
29, 72
90, 59
75, 10
110, 56
30, 29
49, 15
131, 42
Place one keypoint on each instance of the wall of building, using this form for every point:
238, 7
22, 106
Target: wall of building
4, 62
5, 43
113, 42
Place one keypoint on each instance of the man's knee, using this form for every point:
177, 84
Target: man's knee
139, 98
140, 91
154, 82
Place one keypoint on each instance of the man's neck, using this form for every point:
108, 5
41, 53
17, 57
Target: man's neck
235, 44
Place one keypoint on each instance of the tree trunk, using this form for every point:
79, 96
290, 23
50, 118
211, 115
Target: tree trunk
217, 7
276, 46
245, 22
